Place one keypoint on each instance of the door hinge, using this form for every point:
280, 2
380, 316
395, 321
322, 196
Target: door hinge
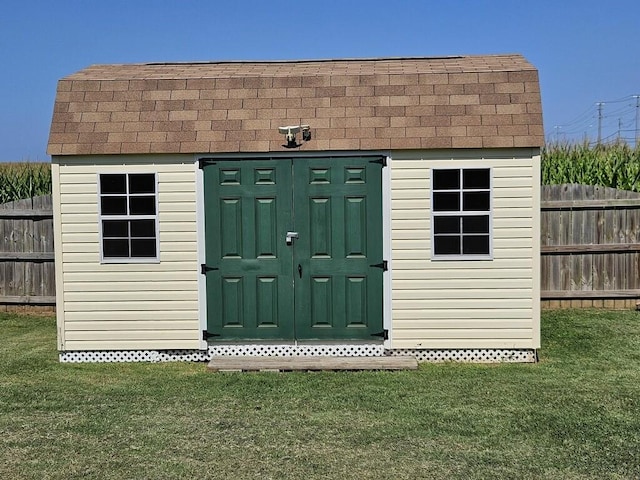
206, 268
384, 334
204, 162
207, 335
380, 161
383, 265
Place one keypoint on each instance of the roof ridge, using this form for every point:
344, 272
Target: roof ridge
326, 60
341, 66
314, 60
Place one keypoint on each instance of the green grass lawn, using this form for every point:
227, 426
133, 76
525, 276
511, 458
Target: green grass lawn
575, 415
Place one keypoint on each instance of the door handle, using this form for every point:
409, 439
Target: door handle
290, 237
300, 270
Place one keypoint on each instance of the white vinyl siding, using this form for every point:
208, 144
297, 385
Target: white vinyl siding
459, 303
107, 306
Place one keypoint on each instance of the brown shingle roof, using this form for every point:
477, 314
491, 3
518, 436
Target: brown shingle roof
366, 104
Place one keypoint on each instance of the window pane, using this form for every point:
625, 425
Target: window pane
115, 247
115, 228
479, 224
110, 183
446, 202
142, 183
143, 228
142, 247
476, 178
475, 245
475, 201
446, 225
142, 205
113, 205
445, 245
446, 179
128, 196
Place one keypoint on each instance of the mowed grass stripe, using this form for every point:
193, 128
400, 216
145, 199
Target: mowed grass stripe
576, 414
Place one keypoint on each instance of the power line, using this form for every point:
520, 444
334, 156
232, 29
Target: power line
623, 99
608, 122
587, 114
628, 109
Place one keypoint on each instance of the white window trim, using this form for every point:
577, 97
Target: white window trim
105, 260
440, 258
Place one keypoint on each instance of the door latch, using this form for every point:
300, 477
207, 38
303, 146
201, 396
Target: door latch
290, 237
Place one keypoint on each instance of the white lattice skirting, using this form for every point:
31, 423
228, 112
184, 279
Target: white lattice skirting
470, 355
476, 355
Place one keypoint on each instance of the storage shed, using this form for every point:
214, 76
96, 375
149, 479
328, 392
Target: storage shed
333, 207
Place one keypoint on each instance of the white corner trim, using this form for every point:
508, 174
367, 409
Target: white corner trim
387, 277
201, 239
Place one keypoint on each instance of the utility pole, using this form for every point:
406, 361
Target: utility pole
599, 104
637, 97
619, 129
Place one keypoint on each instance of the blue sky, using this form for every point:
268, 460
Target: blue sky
586, 51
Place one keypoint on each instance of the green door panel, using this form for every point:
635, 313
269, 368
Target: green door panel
323, 286
338, 214
250, 295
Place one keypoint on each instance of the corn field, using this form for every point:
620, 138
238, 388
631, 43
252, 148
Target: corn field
24, 180
615, 165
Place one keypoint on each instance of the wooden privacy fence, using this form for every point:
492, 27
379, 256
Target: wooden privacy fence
590, 246
27, 275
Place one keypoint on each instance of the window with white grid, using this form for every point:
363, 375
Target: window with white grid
128, 217
461, 214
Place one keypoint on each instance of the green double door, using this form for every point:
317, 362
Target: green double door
294, 249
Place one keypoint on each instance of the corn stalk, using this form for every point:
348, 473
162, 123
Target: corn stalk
616, 165
24, 180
